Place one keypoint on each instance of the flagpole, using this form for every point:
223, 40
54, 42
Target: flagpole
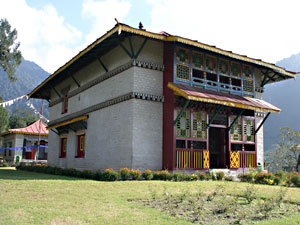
40, 126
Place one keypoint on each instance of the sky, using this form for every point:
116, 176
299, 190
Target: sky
51, 32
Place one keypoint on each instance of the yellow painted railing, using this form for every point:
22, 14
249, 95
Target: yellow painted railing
242, 159
195, 159
183, 159
249, 160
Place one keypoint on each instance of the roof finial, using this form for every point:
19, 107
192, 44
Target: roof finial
141, 26
117, 21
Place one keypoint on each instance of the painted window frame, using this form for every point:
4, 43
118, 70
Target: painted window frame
63, 147
215, 84
80, 146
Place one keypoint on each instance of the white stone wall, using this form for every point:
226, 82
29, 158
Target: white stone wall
128, 134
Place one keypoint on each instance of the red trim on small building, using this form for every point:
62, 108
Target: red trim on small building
168, 109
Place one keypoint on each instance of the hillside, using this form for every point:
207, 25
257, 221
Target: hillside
28, 75
285, 95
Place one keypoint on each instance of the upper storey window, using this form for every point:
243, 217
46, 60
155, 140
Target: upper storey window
213, 72
65, 104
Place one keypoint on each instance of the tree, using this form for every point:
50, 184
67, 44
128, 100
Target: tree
20, 119
286, 153
4, 117
10, 56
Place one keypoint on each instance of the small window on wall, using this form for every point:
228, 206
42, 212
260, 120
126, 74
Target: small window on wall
80, 146
63, 148
65, 104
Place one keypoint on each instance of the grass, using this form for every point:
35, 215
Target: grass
34, 198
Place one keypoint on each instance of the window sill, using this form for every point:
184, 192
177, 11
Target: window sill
62, 157
79, 157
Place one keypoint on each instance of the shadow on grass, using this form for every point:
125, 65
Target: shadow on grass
13, 174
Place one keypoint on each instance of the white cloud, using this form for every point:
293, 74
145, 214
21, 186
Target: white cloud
102, 14
261, 29
44, 35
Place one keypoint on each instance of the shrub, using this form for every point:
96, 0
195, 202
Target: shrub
212, 175
295, 179
194, 177
87, 174
162, 175
147, 175
110, 175
186, 177
136, 174
177, 176
220, 175
229, 178
264, 178
98, 175
125, 173
203, 176
247, 177
281, 174
277, 180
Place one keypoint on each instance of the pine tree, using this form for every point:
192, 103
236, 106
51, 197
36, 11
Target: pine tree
4, 118
10, 56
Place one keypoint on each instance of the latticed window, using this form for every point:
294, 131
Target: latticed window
236, 129
199, 125
248, 85
235, 69
211, 63
224, 67
249, 130
197, 60
182, 72
247, 71
183, 126
183, 55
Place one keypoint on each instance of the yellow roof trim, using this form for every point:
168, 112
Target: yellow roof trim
68, 122
179, 92
206, 47
121, 27
26, 133
109, 33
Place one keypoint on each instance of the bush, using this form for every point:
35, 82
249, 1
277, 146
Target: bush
220, 175
87, 174
162, 175
147, 175
136, 174
264, 178
177, 176
294, 179
212, 175
98, 175
202, 176
247, 177
110, 175
277, 180
125, 173
186, 177
194, 177
229, 178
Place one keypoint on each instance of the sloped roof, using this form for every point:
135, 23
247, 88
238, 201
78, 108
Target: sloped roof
32, 129
209, 96
108, 41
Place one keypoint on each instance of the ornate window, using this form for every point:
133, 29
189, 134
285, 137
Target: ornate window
214, 72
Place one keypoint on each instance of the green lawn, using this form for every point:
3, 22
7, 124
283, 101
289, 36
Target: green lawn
33, 198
